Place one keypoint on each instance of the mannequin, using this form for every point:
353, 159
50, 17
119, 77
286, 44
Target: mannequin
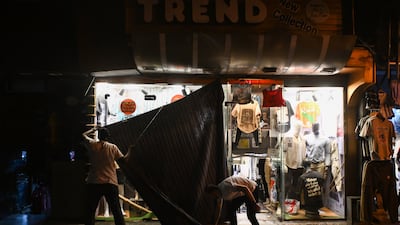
102, 110
309, 191
318, 150
294, 148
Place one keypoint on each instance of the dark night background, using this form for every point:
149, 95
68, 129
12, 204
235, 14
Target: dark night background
48, 49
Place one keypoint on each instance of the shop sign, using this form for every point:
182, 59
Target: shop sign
128, 106
203, 11
311, 16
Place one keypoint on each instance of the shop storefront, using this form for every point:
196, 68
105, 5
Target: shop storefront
304, 84
288, 111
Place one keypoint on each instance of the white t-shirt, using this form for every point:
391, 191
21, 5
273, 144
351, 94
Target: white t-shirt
295, 151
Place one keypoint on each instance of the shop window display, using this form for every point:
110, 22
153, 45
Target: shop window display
296, 125
268, 126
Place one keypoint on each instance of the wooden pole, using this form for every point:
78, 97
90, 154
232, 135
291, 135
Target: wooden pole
134, 204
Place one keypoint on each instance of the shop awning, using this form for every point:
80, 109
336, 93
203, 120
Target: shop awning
241, 53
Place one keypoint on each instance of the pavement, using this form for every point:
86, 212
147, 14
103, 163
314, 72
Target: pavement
40, 219
267, 216
264, 218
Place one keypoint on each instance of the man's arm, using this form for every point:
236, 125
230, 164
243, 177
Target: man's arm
246, 191
87, 133
249, 194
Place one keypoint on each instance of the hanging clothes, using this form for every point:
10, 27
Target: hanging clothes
273, 98
380, 135
336, 168
281, 118
395, 90
379, 200
384, 108
247, 116
363, 141
378, 192
308, 112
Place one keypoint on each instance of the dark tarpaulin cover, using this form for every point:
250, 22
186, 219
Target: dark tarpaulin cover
177, 150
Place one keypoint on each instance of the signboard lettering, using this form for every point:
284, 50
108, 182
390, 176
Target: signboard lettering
205, 11
312, 17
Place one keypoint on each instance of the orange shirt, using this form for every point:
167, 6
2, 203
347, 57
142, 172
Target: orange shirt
308, 113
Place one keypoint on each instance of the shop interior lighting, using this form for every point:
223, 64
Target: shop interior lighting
174, 69
129, 72
269, 69
329, 70
150, 68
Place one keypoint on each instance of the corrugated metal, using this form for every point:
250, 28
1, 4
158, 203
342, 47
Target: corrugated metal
178, 150
239, 53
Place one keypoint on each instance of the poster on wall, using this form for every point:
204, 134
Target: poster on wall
128, 106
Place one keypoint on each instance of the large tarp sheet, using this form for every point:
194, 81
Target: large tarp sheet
173, 152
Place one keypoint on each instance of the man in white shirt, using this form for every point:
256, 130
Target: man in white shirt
102, 177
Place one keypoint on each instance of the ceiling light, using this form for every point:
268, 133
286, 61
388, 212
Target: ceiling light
269, 69
111, 73
328, 70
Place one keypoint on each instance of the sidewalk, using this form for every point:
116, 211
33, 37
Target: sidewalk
263, 217
39, 219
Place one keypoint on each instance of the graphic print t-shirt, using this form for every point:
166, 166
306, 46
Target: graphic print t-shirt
379, 133
247, 116
308, 113
310, 188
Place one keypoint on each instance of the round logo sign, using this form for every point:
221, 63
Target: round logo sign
176, 97
128, 106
